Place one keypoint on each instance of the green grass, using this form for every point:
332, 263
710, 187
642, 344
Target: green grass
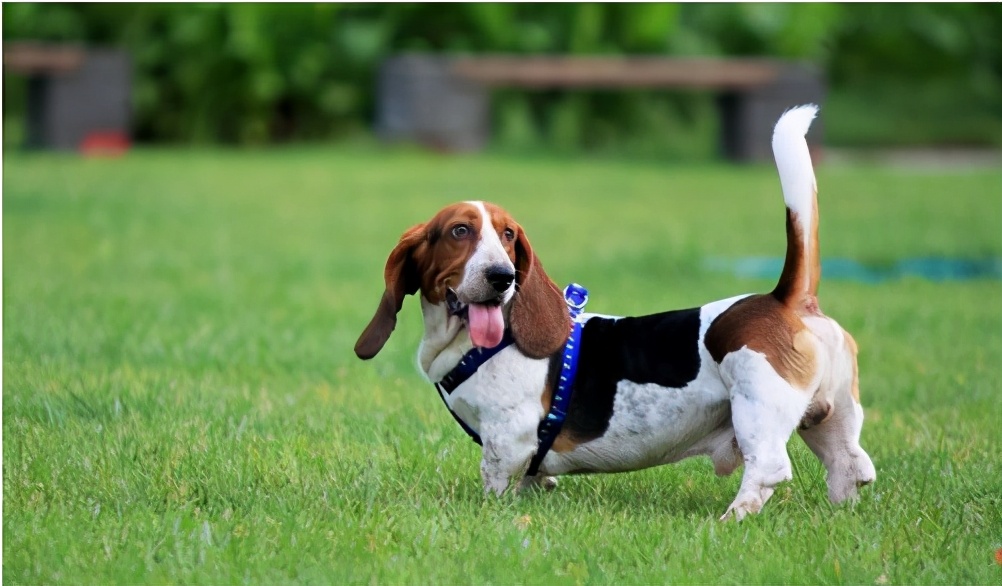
181, 403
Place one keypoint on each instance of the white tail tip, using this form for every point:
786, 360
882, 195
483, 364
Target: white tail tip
794, 122
793, 159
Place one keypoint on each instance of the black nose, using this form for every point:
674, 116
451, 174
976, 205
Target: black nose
500, 278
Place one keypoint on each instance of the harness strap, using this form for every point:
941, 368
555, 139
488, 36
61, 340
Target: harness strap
576, 297
470, 363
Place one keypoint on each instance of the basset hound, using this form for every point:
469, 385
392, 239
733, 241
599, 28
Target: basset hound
731, 380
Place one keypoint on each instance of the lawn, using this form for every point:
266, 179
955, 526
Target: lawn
181, 403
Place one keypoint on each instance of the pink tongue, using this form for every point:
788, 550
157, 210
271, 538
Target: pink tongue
486, 325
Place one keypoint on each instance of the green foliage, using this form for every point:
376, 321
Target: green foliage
181, 403
252, 73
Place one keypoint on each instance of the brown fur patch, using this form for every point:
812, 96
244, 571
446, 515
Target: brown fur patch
854, 350
772, 324
540, 322
798, 283
546, 399
764, 324
441, 259
401, 280
564, 442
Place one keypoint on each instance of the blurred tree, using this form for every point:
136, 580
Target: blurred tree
253, 73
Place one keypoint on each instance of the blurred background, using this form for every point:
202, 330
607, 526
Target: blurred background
916, 75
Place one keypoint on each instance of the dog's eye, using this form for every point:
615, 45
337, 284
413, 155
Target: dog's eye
461, 231
509, 234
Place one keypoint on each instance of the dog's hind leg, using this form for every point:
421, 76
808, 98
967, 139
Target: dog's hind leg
765, 410
834, 439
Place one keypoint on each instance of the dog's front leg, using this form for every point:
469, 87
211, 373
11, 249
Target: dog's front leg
505, 459
500, 467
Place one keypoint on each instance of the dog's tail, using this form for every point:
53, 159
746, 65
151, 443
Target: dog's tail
798, 285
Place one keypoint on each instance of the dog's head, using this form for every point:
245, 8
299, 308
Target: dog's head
473, 260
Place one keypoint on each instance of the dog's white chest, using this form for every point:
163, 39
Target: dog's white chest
503, 395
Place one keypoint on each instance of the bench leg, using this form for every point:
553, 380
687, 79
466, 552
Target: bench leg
747, 116
419, 99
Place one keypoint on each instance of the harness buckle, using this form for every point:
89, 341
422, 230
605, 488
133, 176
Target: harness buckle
576, 297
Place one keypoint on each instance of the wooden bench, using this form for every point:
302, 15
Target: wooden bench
443, 102
75, 96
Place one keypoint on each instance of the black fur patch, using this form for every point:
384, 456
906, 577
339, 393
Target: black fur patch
662, 349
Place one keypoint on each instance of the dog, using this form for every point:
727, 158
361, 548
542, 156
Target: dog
731, 380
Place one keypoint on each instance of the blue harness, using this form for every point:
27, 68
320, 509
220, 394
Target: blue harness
576, 297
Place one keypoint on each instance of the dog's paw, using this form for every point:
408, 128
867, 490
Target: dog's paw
739, 511
497, 487
747, 502
538, 482
844, 483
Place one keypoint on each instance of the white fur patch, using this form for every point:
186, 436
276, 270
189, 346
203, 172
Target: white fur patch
793, 159
444, 343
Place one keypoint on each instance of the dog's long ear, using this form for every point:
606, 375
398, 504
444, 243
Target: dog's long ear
402, 278
540, 322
